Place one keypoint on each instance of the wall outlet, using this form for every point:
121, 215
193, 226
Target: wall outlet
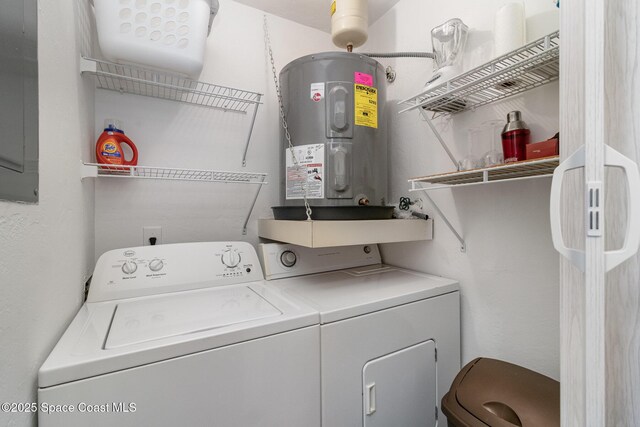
148, 233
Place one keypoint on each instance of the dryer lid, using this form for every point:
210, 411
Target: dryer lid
140, 321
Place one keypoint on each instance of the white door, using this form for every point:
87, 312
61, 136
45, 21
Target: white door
595, 212
399, 389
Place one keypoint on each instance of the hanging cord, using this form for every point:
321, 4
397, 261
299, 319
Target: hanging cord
283, 117
428, 55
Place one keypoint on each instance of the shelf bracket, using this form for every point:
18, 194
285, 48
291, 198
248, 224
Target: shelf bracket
253, 204
439, 137
87, 171
87, 66
253, 122
463, 245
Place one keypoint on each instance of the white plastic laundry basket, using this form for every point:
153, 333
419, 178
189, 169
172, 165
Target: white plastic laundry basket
163, 34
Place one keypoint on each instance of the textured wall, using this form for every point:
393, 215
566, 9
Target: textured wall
46, 250
509, 274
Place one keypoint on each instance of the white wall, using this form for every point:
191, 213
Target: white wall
46, 250
509, 274
172, 134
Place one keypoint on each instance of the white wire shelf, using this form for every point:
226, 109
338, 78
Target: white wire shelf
141, 81
508, 172
531, 66
97, 170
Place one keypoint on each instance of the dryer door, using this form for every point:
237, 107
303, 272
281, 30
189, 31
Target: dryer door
399, 389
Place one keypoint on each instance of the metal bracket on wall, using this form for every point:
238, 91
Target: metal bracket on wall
253, 122
253, 204
463, 245
424, 115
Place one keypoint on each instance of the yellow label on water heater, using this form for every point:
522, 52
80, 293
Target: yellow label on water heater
333, 7
366, 103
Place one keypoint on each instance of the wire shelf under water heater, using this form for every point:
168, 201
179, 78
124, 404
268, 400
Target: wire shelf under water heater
531, 66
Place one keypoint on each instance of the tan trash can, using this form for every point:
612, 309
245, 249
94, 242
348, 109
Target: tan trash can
489, 392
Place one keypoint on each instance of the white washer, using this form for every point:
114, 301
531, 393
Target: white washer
184, 335
390, 338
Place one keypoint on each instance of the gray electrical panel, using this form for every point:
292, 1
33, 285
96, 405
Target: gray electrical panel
19, 101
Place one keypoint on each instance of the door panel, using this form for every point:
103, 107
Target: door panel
620, 288
622, 121
572, 295
399, 389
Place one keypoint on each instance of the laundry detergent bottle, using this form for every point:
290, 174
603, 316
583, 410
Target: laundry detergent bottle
109, 150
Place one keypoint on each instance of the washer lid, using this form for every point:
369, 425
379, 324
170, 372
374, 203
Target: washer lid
111, 336
141, 321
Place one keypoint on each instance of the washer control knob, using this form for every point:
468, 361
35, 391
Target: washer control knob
231, 258
129, 267
288, 258
156, 264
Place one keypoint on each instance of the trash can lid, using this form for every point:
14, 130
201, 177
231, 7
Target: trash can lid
499, 394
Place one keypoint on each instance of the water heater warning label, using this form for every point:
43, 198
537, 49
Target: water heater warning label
366, 102
309, 171
317, 91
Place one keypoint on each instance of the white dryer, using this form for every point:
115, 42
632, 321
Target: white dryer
390, 337
184, 335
